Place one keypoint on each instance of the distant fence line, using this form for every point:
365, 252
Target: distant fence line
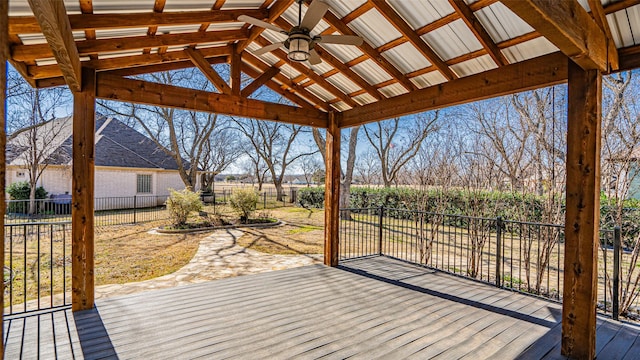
522, 256
128, 209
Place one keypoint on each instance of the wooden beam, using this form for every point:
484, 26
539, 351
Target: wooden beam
139, 70
479, 31
568, 26
259, 81
277, 9
236, 73
401, 25
4, 56
29, 25
285, 92
371, 52
204, 66
597, 11
310, 74
299, 89
143, 92
87, 47
582, 216
53, 20
531, 74
82, 229
332, 193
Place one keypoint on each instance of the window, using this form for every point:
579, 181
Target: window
144, 184
20, 174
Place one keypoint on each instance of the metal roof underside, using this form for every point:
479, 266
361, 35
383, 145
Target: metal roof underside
388, 64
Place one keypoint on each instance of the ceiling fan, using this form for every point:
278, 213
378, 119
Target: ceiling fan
299, 41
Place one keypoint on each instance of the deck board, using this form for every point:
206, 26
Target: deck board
367, 308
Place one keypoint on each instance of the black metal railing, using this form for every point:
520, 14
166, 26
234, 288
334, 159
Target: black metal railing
523, 256
37, 272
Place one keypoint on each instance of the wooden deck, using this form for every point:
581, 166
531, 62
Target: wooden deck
367, 308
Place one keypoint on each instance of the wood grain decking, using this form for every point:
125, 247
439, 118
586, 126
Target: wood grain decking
366, 309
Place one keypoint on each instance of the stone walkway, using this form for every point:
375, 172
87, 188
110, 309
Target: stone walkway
218, 256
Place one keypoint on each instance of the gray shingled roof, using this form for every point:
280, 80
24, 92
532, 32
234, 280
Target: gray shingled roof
117, 145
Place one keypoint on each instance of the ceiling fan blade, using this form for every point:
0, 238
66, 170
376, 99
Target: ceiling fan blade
268, 48
341, 39
260, 23
314, 57
314, 14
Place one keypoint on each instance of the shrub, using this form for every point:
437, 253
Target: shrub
244, 201
181, 203
311, 197
20, 191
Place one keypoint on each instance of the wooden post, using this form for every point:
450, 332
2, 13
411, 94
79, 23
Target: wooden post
4, 56
582, 214
236, 63
332, 193
82, 282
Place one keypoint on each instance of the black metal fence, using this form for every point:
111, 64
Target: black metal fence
37, 271
522, 256
128, 210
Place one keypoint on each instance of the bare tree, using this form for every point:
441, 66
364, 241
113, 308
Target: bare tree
275, 144
310, 167
368, 168
183, 135
220, 150
256, 166
396, 142
346, 173
36, 135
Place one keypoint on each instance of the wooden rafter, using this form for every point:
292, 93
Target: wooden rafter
143, 92
201, 63
401, 25
371, 52
140, 70
569, 27
310, 74
53, 20
479, 31
292, 84
259, 81
86, 47
29, 25
597, 11
158, 7
543, 71
279, 89
277, 9
235, 78
86, 7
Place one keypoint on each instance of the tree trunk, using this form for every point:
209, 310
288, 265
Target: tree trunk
32, 199
279, 190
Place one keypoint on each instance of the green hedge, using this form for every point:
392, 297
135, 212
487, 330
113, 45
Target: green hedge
310, 197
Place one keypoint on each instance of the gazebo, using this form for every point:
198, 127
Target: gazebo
415, 56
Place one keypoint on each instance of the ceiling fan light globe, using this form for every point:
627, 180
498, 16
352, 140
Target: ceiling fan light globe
298, 49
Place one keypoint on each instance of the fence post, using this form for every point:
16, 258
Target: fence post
499, 225
135, 205
380, 219
617, 249
264, 200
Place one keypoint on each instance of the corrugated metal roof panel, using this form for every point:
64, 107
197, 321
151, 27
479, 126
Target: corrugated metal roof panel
291, 15
187, 5
178, 29
373, 27
343, 7
343, 83
273, 36
241, 4
623, 29
371, 72
211, 44
364, 99
321, 68
225, 26
501, 23
22, 8
38, 38
418, 14
406, 58
288, 71
452, 40
393, 90
341, 106
474, 66
117, 54
117, 33
345, 53
429, 79
529, 50
318, 91
122, 6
